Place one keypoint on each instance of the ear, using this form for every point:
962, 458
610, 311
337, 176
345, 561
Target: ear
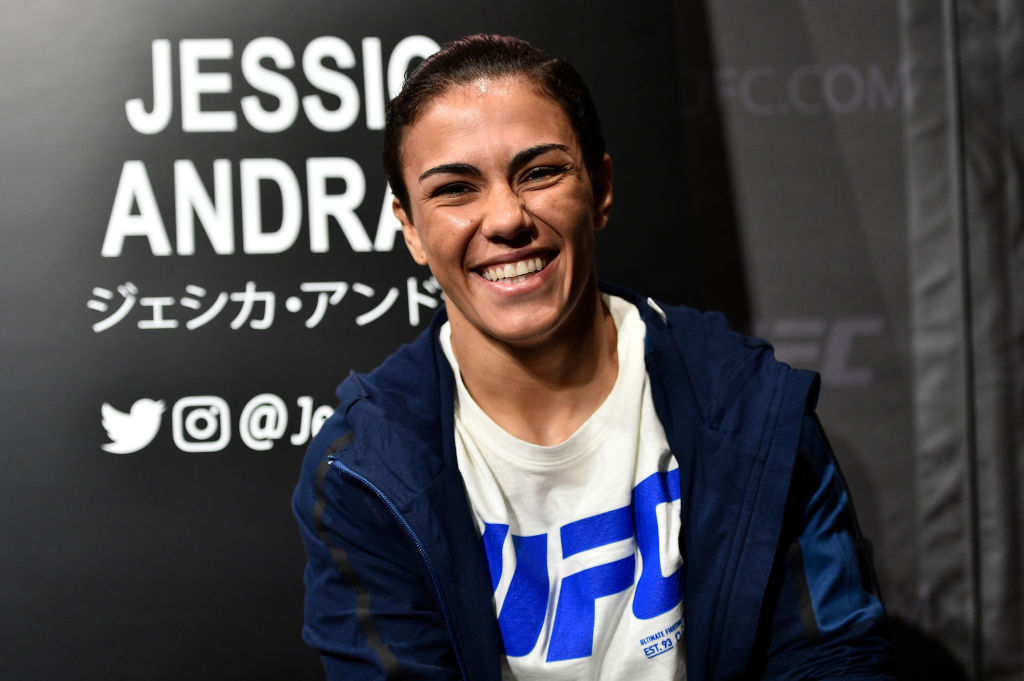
412, 237
603, 192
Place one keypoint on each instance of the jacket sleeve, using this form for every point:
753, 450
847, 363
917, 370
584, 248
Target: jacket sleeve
824, 619
369, 609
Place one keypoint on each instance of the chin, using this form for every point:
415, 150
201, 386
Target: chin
529, 332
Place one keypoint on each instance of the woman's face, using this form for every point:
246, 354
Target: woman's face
502, 209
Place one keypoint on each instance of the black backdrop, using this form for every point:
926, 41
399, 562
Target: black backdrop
838, 177
181, 559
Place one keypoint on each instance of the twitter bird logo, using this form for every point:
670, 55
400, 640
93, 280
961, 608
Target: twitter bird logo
132, 431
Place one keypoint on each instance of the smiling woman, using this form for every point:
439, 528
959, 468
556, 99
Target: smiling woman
514, 494
497, 180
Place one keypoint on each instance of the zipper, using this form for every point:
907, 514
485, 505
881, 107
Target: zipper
414, 538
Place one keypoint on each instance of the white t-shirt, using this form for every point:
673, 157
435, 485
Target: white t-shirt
582, 538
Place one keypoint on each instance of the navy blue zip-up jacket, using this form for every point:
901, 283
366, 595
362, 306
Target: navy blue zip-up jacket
776, 583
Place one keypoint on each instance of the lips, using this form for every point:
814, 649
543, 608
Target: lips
514, 272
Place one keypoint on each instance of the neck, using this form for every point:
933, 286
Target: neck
543, 392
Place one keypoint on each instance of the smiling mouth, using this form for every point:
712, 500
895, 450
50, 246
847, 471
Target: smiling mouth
514, 272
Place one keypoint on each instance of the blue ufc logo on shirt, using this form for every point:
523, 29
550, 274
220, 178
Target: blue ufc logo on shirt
522, 614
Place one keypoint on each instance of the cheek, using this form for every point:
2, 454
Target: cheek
569, 213
446, 238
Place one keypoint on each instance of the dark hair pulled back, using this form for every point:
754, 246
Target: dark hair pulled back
490, 56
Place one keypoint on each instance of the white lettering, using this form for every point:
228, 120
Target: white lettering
271, 82
194, 84
335, 186
835, 368
411, 47
155, 121
811, 89
796, 93
747, 85
264, 64
310, 420
373, 83
810, 341
834, 93
305, 418
878, 92
263, 421
332, 82
134, 189
341, 206
253, 172
798, 340
191, 199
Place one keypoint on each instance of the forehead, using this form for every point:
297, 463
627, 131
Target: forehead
486, 115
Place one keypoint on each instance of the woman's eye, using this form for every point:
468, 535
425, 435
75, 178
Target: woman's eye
542, 173
452, 189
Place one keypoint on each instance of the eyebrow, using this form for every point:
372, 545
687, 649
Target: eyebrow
517, 162
453, 168
527, 155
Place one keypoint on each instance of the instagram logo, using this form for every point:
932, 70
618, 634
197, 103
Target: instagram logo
201, 423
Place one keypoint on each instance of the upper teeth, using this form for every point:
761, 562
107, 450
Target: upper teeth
513, 269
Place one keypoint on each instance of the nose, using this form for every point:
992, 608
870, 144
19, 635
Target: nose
505, 217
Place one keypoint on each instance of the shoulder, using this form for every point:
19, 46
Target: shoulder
728, 374
703, 338
389, 423
406, 380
